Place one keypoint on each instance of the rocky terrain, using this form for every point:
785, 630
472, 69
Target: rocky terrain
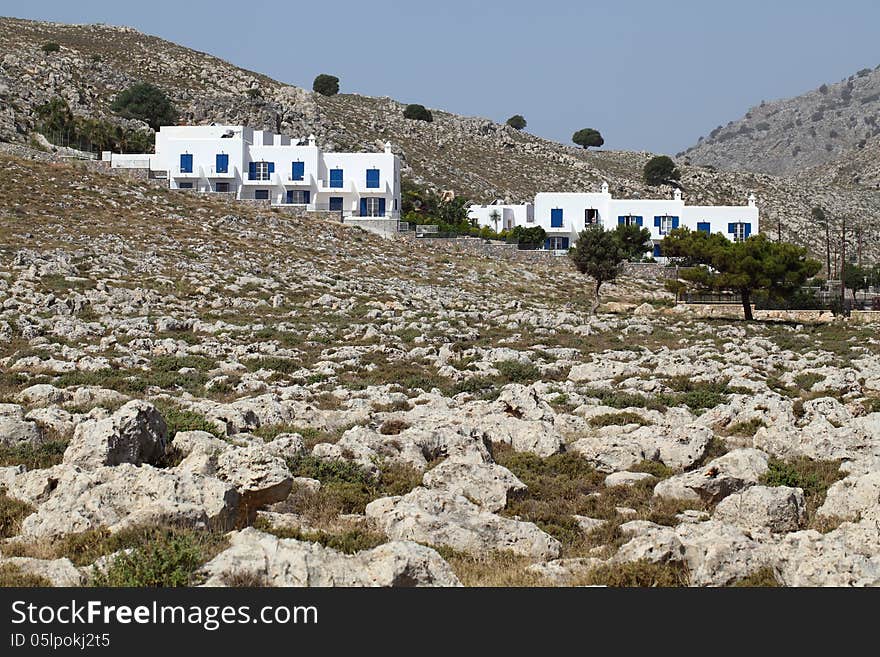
835, 126
201, 392
476, 157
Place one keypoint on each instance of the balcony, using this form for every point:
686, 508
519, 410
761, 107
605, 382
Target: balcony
363, 190
195, 172
260, 179
307, 181
347, 187
211, 172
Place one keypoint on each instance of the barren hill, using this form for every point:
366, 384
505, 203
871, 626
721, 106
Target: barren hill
474, 156
833, 126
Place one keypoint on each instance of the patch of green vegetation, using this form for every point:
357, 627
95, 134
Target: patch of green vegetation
814, 477
807, 380
346, 487
178, 419
12, 575
274, 364
33, 457
175, 363
765, 577
514, 371
486, 388
747, 428
12, 513
166, 557
349, 541
616, 399
618, 419
641, 573
656, 468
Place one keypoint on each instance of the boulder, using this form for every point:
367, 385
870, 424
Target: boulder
59, 572
626, 478
69, 499
442, 518
263, 559
15, 429
487, 484
777, 509
136, 433
846, 556
855, 497
717, 479
259, 477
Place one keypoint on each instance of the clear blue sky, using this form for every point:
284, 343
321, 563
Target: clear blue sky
650, 75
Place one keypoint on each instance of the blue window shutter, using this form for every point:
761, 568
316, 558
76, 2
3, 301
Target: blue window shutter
373, 178
307, 196
290, 196
704, 227
556, 218
363, 207
252, 171
564, 243
638, 221
186, 163
336, 178
656, 222
381, 207
675, 222
298, 170
271, 167
222, 163
547, 243
657, 251
731, 228
747, 228
621, 221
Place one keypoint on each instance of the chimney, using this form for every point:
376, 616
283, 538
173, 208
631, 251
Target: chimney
677, 194
752, 200
604, 187
312, 140
387, 146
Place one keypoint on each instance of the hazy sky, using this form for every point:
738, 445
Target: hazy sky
650, 75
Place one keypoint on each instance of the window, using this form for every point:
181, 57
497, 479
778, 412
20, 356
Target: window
299, 196
556, 243
221, 187
261, 194
591, 216
372, 207
185, 185
260, 170
222, 163
336, 178
556, 218
629, 220
704, 227
373, 178
298, 171
740, 231
665, 223
336, 203
186, 163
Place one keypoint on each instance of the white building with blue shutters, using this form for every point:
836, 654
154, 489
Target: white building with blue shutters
261, 165
563, 215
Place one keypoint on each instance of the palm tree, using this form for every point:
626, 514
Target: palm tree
495, 217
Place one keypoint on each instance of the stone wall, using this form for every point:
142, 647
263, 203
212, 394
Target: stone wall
383, 227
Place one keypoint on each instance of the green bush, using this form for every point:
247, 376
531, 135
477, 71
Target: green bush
50, 46
660, 170
145, 102
326, 85
618, 419
349, 541
33, 457
517, 122
168, 557
12, 512
514, 371
418, 113
178, 419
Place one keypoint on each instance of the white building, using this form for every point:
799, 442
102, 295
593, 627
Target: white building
261, 165
501, 216
563, 215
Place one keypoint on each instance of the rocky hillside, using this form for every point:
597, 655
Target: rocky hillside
196, 391
473, 156
834, 123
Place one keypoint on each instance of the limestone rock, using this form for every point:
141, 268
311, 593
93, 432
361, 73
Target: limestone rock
487, 484
717, 479
777, 508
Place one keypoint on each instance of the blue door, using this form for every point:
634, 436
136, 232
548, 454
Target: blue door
556, 218
261, 194
290, 196
336, 203
336, 178
222, 164
373, 178
186, 163
363, 211
381, 207
298, 171
704, 227
657, 252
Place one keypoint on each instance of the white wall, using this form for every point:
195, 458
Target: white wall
509, 215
